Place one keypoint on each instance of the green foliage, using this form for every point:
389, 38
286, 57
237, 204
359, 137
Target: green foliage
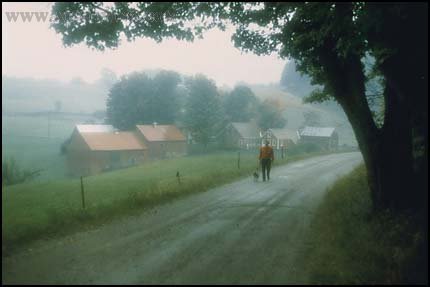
139, 99
270, 116
317, 96
100, 25
12, 173
203, 113
240, 105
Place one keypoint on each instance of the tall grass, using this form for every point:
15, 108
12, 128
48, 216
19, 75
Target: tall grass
346, 244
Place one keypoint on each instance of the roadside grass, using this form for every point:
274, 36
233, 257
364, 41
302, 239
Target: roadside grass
346, 244
32, 211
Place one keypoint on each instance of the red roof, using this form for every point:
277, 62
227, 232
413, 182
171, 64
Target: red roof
113, 141
161, 132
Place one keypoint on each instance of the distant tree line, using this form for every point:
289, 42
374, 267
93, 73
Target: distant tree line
194, 102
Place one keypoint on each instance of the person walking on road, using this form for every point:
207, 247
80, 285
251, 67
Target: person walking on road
266, 159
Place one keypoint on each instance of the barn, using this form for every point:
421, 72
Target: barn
96, 148
244, 135
163, 141
327, 137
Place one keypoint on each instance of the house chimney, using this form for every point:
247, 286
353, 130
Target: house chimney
154, 124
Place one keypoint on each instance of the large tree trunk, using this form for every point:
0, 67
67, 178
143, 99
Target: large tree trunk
404, 122
356, 108
404, 136
387, 152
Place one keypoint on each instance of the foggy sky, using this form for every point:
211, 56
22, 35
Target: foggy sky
34, 50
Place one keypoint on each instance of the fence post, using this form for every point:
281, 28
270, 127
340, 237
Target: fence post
238, 160
82, 193
179, 177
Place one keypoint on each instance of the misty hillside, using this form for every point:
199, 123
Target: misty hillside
23, 95
331, 114
293, 82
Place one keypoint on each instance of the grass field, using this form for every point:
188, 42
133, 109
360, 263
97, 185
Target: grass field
35, 210
346, 244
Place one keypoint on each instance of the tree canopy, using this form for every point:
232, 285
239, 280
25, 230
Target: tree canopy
270, 114
240, 105
139, 99
203, 114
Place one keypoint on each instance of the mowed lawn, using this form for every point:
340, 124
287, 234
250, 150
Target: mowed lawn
34, 210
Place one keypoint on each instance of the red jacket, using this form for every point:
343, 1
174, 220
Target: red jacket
266, 152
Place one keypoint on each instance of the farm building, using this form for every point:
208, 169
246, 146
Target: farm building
242, 135
162, 140
327, 138
281, 138
96, 148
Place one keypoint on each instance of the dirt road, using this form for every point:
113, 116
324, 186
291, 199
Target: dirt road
243, 232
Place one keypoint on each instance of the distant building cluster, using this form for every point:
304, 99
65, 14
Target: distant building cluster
94, 148
248, 135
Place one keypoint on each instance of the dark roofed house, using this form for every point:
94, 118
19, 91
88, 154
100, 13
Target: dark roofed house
162, 140
95, 148
242, 135
327, 138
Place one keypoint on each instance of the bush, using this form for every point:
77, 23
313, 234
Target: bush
12, 173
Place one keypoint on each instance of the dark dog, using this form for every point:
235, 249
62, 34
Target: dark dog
256, 175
